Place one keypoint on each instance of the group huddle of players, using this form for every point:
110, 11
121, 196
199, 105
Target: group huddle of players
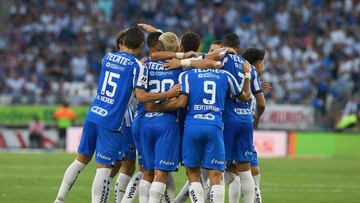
176, 106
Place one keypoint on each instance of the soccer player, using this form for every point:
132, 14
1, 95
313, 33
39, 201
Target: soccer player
238, 130
159, 134
132, 189
256, 58
121, 74
127, 155
204, 93
216, 44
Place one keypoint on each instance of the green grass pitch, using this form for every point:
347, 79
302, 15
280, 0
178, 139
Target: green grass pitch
35, 177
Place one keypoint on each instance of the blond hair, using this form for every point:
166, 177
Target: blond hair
169, 40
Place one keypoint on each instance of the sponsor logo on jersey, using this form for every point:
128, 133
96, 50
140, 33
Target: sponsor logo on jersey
98, 110
208, 116
153, 114
114, 66
208, 75
242, 111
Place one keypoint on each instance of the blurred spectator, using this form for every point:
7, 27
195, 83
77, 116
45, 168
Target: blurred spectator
64, 117
313, 47
36, 131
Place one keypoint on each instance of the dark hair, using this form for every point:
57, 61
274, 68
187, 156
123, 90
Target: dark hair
190, 41
253, 54
120, 38
218, 42
153, 39
231, 40
134, 37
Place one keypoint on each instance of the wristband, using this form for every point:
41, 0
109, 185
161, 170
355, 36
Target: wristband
186, 63
179, 55
248, 76
159, 30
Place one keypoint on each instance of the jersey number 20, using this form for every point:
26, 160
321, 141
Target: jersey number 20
108, 80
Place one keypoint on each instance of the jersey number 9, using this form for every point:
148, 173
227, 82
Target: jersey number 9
210, 88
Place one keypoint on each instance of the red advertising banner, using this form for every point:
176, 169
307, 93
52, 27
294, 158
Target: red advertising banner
287, 117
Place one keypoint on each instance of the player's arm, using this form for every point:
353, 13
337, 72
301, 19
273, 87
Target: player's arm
142, 96
260, 108
149, 28
140, 82
196, 63
165, 55
174, 104
217, 54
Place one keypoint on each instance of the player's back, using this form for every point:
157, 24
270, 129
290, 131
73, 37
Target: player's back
235, 110
161, 80
120, 73
207, 90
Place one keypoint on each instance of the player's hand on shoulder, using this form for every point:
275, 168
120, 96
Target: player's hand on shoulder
143, 60
148, 28
175, 91
246, 66
172, 64
266, 86
230, 50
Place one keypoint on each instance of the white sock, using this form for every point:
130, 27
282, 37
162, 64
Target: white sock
70, 176
108, 186
217, 194
235, 190
157, 190
120, 186
183, 194
247, 186
196, 192
144, 188
132, 189
169, 194
258, 198
99, 186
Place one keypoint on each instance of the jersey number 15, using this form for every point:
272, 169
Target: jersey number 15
108, 81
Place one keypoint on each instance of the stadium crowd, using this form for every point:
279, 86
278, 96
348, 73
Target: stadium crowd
52, 48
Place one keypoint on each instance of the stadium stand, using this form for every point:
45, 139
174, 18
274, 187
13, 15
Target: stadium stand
313, 49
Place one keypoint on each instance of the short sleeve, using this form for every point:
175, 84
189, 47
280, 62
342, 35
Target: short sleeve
140, 77
255, 82
184, 81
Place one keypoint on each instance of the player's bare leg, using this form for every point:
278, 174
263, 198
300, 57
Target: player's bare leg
255, 171
126, 171
70, 176
196, 190
217, 191
145, 184
233, 180
158, 186
101, 184
247, 182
